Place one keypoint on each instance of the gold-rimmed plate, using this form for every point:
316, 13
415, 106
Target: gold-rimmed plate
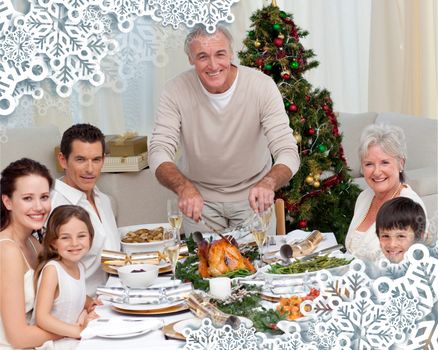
164, 311
170, 332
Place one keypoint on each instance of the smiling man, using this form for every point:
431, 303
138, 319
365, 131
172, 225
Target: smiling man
81, 156
229, 122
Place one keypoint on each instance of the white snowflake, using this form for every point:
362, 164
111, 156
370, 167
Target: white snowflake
96, 17
18, 46
402, 312
66, 40
319, 333
192, 12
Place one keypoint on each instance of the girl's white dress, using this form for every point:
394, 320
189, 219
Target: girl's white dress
68, 305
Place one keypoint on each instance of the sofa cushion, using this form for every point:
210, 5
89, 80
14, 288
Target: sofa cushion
423, 180
421, 138
351, 125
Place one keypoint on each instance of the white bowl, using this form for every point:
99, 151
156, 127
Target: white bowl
143, 247
138, 279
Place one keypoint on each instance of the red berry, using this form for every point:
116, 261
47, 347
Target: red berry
302, 223
311, 131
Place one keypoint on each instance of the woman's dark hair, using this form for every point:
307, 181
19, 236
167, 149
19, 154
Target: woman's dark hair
60, 216
402, 213
9, 176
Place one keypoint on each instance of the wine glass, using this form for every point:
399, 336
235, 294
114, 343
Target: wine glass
259, 231
172, 250
266, 216
174, 214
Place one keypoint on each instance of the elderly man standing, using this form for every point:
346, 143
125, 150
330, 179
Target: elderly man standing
81, 156
228, 121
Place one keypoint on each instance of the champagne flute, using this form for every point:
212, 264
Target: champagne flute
266, 216
259, 231
172, 250
174, 214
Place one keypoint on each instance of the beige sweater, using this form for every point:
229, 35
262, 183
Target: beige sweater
224, 153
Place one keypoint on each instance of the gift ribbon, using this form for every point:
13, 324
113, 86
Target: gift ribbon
120, 140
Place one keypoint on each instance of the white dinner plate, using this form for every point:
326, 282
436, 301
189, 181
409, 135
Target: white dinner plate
121, 336
147, 307
193, 323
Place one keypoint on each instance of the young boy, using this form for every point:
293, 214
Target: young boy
400, 223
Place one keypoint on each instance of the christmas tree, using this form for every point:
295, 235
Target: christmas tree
321, 194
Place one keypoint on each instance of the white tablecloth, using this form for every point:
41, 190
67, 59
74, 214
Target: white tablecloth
156, 339
151, 340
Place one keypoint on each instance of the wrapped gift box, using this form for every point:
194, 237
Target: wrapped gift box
125, 164
117, 164
122, 146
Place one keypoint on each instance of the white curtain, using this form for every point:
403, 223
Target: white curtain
357, 43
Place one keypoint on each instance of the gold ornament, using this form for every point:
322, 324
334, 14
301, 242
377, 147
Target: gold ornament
274, 3
257, 44
298, 137
316, 184
281, 36
309, 180
316, 177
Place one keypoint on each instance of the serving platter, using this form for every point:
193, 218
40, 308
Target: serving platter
110, 266
145, 246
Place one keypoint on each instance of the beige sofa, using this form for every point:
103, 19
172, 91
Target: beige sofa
138, 197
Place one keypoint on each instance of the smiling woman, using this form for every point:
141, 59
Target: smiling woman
382, 152
25, 204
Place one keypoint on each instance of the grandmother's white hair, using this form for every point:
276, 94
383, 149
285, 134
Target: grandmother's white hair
390, 138
200, 30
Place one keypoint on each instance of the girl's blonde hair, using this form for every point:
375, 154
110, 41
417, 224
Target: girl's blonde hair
59, 216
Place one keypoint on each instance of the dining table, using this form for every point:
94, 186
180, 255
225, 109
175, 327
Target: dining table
156, 339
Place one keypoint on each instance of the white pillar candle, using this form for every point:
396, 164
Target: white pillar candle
220, 287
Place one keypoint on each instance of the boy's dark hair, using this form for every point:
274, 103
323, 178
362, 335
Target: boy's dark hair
401, 213
82, 132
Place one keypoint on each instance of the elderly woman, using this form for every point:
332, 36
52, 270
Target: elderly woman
25, 204
382, 152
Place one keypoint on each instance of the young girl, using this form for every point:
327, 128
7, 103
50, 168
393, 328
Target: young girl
25, 203
62, 306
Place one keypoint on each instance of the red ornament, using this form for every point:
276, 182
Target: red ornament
278, 42
259, 62
302, 223
311, 131
293, 107
326, 108
281, 54
308, 98
302, 120
286, 76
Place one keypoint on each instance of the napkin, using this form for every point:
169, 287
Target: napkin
102, 327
